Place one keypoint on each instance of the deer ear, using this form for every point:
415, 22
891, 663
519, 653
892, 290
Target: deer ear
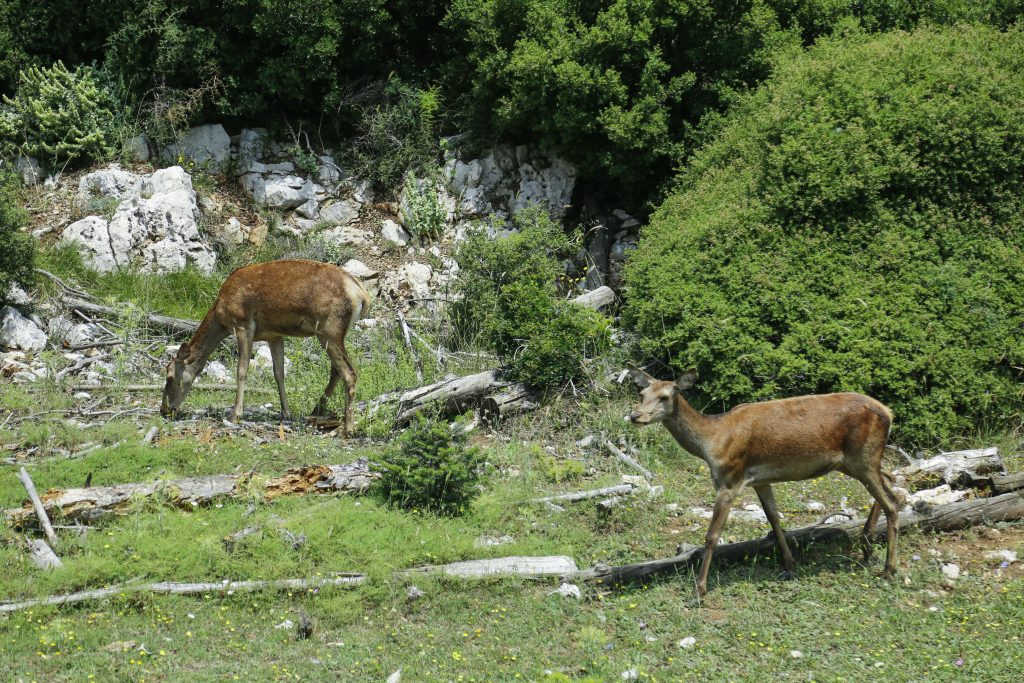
686, 380
182, 352
639, 377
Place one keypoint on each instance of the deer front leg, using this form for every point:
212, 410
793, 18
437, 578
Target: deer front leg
719, 515
244, 338
277, 355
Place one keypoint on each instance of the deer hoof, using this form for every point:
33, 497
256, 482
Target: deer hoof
888, 573
787, 575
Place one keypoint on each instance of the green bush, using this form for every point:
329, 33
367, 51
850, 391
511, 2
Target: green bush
396, 134
430, 469
507, 300
17, 249
58, 115
858, 224
423, 212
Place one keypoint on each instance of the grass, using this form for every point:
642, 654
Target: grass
847, 623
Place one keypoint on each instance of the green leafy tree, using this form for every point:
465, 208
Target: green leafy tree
858, 224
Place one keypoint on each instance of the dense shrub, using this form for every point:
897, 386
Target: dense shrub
17, 249
58, 115
857, 225
431, 469
396, 133
617, 86
423, 212
508, 302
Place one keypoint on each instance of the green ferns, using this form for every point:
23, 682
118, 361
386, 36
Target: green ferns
58, 115
857, 225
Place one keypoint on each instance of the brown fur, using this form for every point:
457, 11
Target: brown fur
759, 444
267, 302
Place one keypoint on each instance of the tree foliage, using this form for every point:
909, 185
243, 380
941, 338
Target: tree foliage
857, 225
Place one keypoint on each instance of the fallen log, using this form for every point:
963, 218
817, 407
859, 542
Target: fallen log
37, 506
502, 566
177, 325
514, 400
622, 457
169, 588
577, 496
453, 396
160, 387
996, 483
97, 501
596, 298
946, 468
938, 518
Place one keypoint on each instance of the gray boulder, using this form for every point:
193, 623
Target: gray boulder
112, 182
20, 333
29, 169
341, 212
139, 148
282, 192
251, 142
206, 146
395, 233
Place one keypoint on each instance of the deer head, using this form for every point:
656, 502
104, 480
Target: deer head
657, 397
181, 372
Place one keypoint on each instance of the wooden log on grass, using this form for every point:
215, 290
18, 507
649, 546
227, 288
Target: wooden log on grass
622, 457
576, 496
534, 567
996, 483
170, 588
596, 298
452, 396
176, 325
1009, 506
946, 468
513, 400
98, 501
37, 506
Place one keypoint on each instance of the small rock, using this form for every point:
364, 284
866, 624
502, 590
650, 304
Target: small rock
18, 296
414, 593
796, 654
492, 541
688, 642
991, 533
950, 571
29, 169
586, 442
568, 590
341, 212
396, 677
630, 675
813, 506
1008, 556
394, 233
359, 269
287, 623
217, 372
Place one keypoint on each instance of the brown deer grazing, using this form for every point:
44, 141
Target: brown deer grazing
268, 302
759, 444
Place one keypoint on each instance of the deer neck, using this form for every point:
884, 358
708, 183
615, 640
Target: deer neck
208, 335
690, 428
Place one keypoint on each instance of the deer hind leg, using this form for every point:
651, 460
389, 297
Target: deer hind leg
244, 335
321, 405
720, 513
277, 355
341, 366
771, 510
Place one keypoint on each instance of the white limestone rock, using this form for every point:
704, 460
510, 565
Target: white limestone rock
112, 182
342, 212
394, 233
19, 333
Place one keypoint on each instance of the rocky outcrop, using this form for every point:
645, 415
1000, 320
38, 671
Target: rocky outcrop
108, 183
155, 227
208, 147
18, 333
509, 179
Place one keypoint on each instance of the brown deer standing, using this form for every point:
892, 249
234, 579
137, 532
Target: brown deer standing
268, 302
759, 444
